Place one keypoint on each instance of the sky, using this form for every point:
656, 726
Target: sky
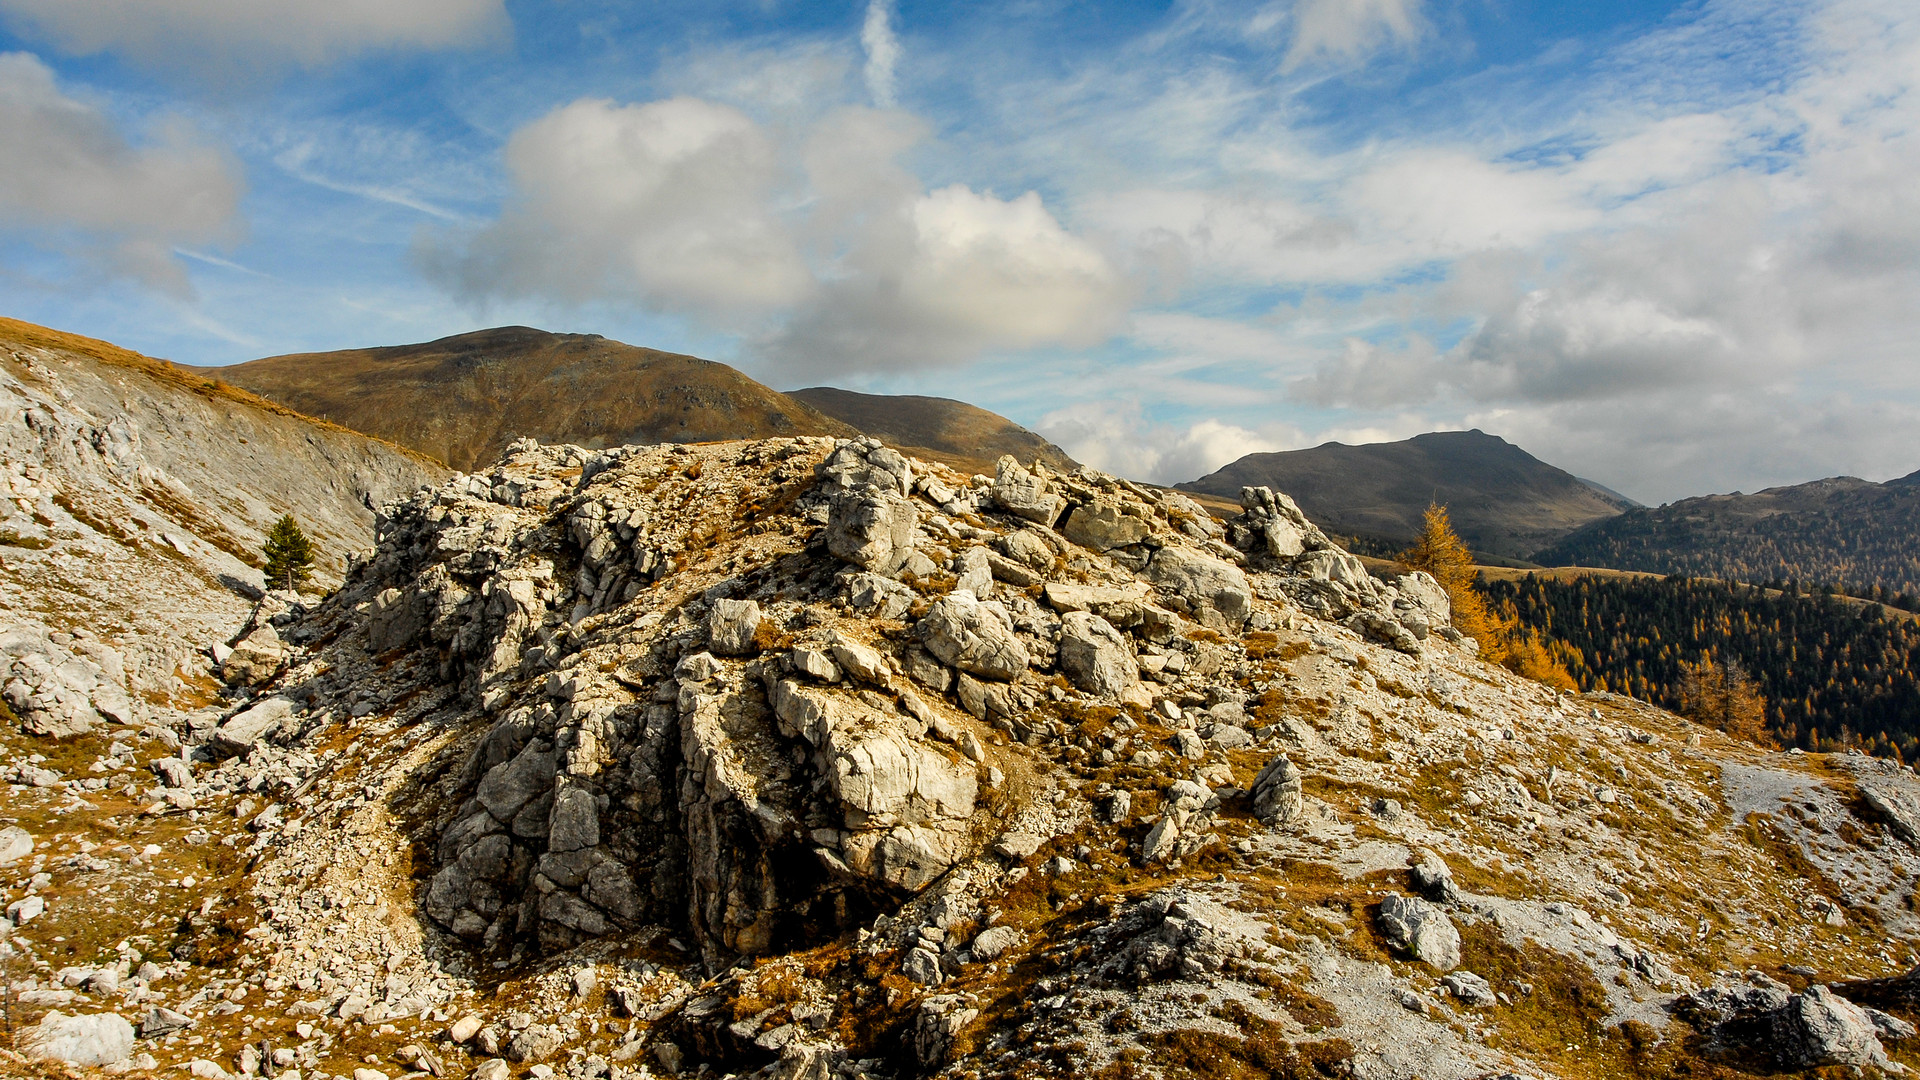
1670, 247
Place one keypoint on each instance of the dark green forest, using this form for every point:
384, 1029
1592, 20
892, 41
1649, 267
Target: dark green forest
1834, 674
1853, 535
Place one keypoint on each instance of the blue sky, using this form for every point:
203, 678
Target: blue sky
1671, 247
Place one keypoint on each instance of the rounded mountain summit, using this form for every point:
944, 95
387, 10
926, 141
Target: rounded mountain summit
1503, 500
464, 399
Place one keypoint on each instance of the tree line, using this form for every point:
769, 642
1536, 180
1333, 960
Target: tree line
1862, 538
1820, 673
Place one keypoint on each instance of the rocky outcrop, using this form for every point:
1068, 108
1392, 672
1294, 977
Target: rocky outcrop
973, 636
1420, 930
1334, 584
786, 808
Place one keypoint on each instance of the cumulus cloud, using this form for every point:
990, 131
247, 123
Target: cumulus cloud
1119, 438
70, 178
1348, 30
883, 51
828, 256
253, 34
947, 275
668, 204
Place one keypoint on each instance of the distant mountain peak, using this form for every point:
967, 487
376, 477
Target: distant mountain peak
1503, 500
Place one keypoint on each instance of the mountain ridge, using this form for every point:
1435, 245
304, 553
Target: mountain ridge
940, 428
1839, 530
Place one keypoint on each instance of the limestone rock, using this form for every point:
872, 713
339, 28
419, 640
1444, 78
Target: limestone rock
1028, 548
871, 529
974, 569
1104, 525
973, 636
731, 627
993, 942
1820, 1028
16, 843
875, 596
99, 1039
1214, 591
1420, 930
248, 726
1431, 877
255, 658
1277, 792
1421, 604
1023, 494
1095, 657
860, 661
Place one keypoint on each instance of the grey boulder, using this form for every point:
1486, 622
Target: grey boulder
973, 636
1420, 930
871, 529
250, 725
100, 1039
731, 627
1095, 656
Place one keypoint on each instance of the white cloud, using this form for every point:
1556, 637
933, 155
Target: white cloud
825, 253
70, 177
883, 51
1437, 203
669, 204
1006, 269
1118, 438
1349, 30
254, 34
942, 276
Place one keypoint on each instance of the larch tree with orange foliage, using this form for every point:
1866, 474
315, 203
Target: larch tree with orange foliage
1722, 695
1440, 552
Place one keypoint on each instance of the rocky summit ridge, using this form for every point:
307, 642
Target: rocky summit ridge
799, 758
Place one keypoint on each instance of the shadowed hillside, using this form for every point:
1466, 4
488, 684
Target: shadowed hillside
940, 428
1503, 500
464, 398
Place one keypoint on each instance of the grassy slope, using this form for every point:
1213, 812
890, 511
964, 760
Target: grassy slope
941, 428
199, 381
464, 398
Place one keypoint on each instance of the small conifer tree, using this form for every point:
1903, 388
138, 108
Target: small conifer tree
1440, 552
289, 555
1722, 695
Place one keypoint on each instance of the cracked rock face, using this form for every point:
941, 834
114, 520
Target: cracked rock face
973, 636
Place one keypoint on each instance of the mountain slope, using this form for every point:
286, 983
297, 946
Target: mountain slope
138, 495
462, 399
1503, 500
939, 428
1837, 531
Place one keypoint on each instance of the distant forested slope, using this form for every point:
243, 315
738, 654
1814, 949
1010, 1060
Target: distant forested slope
1833, 673
1845, 532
